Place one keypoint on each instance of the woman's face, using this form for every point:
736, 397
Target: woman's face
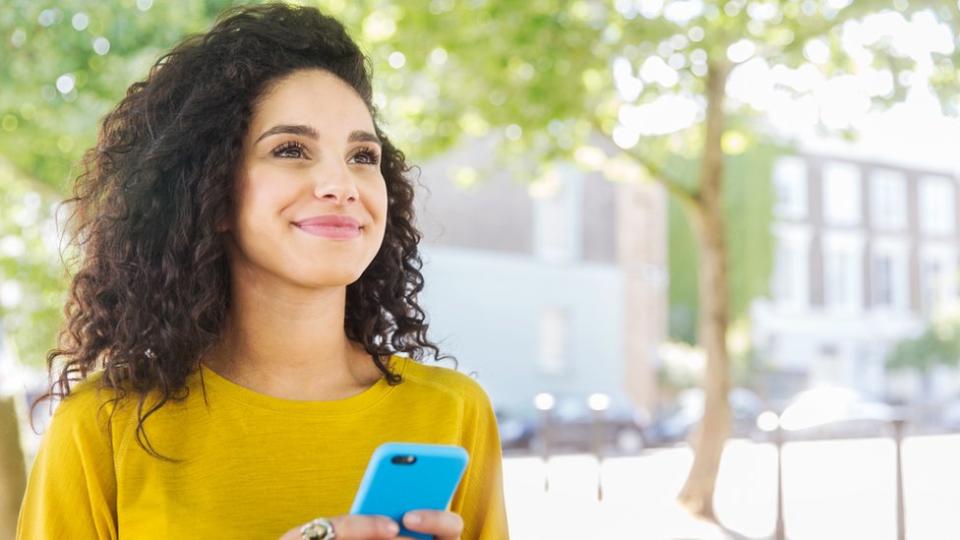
311, 203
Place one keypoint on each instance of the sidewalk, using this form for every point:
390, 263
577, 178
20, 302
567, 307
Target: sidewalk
628, 510
833, 490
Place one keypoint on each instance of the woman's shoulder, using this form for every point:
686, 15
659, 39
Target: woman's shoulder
91, 405
448, 380
86, 396
82, 420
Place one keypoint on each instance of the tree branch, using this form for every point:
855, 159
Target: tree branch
673, 185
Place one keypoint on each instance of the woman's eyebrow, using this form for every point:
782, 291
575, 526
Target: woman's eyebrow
298, 129
363, 136
309, 131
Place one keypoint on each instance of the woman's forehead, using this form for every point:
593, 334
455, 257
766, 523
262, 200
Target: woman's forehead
313, 97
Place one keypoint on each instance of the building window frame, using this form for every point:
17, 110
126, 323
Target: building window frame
554, 349
891, 291
790, 187
888, 200
843, 272
938, 278
790, 283
842, 187
937, 205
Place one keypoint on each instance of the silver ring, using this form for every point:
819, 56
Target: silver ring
318, 529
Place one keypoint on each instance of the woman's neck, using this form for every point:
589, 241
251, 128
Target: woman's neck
292, 345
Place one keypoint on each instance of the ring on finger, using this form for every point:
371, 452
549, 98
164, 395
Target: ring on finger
318, 529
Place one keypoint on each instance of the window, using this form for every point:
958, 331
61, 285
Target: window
784, 263
790, 185
843, 272
938, 279
888, 276
888, 200
882, 280
557, 215
790, 286
838, 267
931, 276
841, 194
554, 329
937, 205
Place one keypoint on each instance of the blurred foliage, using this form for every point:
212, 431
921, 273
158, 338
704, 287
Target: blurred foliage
678, 369
938, 345
545, 66
32, 285
748, 200
67, 63
536, 74
550, 106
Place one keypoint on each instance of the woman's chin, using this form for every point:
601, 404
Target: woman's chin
326, 278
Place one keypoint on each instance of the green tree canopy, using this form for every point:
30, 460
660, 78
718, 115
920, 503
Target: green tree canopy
938, 345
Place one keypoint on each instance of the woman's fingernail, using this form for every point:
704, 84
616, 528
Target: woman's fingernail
412, 519
393, 527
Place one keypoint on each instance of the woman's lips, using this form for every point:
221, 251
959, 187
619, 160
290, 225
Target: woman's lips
330, 226
329, 231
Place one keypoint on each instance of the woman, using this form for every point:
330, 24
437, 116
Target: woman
249, 275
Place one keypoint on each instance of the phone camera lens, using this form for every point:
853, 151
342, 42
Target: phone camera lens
403, 460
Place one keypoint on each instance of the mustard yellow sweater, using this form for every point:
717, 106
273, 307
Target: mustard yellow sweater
254, 466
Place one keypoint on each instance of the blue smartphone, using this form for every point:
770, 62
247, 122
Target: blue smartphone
407, 476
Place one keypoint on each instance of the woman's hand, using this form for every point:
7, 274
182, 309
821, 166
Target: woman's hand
442, 525
351, 527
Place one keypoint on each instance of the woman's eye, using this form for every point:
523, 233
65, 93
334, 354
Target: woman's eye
292, 150
366, 156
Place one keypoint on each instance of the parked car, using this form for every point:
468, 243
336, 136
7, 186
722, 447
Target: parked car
834, 412
516, 433
950, 415
575, 428
677, 422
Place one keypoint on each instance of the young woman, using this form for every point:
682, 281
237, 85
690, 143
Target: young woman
248, 282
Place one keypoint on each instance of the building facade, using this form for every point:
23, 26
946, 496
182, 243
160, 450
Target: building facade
866, 254
555, 286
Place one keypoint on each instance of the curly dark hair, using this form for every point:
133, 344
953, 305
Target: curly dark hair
152, 291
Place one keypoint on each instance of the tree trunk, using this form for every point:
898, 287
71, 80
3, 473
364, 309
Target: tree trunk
708, 225
13, 476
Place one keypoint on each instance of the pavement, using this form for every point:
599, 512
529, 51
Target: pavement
833, 490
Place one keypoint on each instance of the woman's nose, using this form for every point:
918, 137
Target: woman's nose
335, 183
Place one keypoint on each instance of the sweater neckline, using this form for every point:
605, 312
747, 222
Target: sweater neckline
365, 399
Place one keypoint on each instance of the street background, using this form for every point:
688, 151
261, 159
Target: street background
673, 240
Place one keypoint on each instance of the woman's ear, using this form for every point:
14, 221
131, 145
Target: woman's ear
223, 224
226, 218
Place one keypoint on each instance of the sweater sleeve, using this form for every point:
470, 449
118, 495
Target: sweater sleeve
71, 491
480, 501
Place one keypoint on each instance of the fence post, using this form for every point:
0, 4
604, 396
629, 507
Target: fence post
898, 423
